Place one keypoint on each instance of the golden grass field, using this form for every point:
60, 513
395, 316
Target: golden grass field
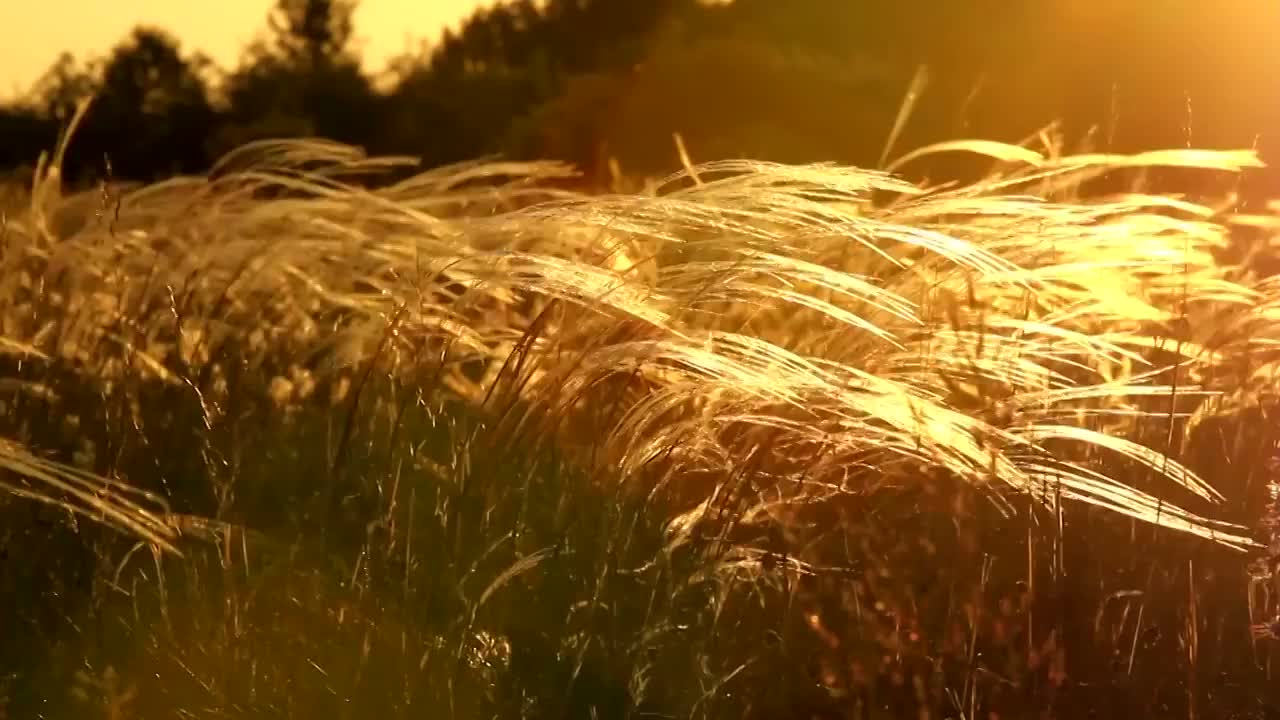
756, 441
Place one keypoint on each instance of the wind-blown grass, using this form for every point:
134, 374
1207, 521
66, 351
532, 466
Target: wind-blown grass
678, 375
769, 287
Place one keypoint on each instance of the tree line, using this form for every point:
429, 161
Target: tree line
605, 84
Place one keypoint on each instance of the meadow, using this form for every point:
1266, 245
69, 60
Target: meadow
320, 434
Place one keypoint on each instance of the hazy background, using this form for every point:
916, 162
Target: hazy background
37, 32
606, 84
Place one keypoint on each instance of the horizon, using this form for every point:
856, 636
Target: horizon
384, 29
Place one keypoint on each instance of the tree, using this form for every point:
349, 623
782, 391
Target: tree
451, 117
30, 125
729, 96
150, 114
63, 86
475, 91
313, 34
304, 79
574, 36
26, 132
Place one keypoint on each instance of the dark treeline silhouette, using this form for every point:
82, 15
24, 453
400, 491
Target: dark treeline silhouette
606, 83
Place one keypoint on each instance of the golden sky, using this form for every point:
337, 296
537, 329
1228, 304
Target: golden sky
37, 31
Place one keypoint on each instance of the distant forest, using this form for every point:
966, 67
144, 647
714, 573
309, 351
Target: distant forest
606, 84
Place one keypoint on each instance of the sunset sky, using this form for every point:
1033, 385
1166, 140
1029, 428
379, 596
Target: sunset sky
37, 31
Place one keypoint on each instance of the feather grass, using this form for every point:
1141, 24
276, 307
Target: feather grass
674, 375
892, 328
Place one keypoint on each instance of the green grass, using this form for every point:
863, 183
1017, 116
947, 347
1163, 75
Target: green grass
759, 442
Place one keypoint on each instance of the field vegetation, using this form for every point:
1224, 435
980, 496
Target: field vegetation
318, 434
